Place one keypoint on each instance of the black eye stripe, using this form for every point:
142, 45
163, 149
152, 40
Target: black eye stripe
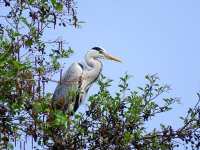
98, 49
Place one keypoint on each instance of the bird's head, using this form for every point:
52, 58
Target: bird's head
97, 52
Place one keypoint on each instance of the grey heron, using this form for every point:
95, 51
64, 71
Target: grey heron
77, 80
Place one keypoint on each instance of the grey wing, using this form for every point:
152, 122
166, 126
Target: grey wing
67, 91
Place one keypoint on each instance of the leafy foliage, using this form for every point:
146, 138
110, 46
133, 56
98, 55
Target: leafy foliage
119, 121
28, 61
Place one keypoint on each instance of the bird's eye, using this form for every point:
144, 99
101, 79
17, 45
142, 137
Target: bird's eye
100, 52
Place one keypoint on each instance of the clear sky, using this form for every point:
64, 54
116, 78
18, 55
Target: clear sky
151, 36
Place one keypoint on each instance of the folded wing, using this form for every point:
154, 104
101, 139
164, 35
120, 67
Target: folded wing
67, 94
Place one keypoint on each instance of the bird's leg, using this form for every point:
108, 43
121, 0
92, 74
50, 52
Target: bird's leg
82, 93
80, 99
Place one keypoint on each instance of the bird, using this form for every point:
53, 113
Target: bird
77, 80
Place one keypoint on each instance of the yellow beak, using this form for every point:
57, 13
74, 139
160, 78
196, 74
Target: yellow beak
110, 57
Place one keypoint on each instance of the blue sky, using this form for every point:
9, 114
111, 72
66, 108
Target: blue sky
150, 36
157, 36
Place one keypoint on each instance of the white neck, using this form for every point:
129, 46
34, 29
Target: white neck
95, 67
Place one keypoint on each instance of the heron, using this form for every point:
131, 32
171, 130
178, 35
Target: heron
77, 80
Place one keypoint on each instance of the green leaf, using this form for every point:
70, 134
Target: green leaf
37, 107
31, 1
41, 70
29, 42
53, 2
57, 6
60, 118
10, 146
127, 137
15, 34
24, 20
17, 65
55, 63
